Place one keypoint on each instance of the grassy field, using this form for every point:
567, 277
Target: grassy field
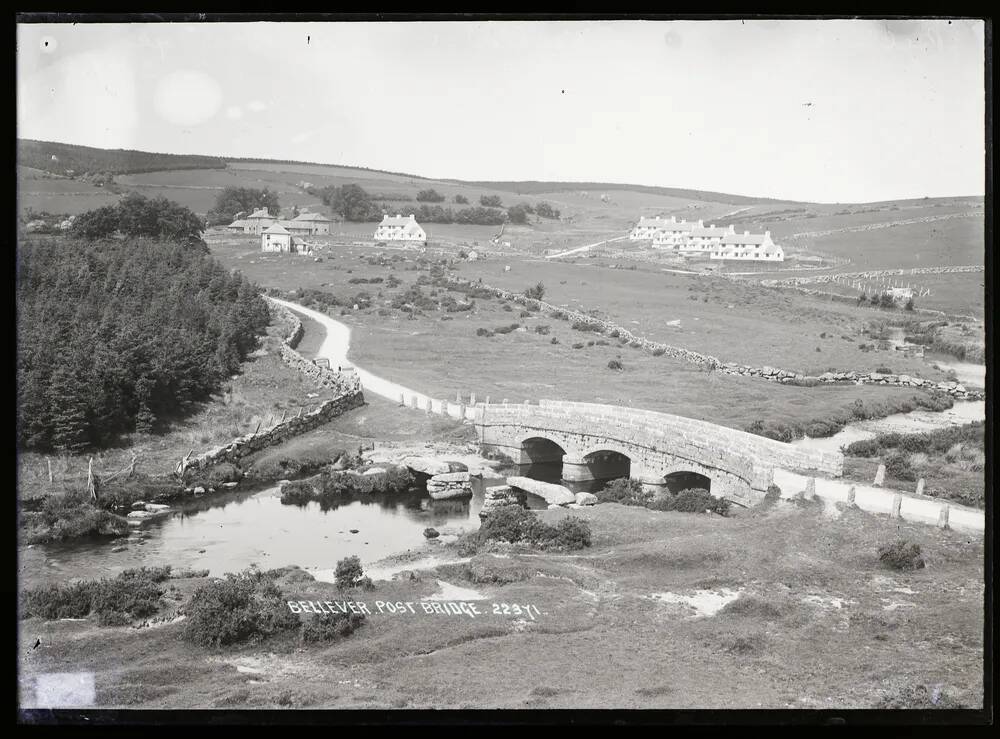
819, 623
264, 390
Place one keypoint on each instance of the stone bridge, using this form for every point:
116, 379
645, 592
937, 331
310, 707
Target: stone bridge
598, 442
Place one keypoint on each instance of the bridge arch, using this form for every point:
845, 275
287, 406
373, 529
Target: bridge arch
541, 458
683, 479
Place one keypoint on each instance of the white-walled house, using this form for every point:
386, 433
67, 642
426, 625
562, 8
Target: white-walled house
255, 223
749, 247
648, 229
398, 228
705, 239
276, 238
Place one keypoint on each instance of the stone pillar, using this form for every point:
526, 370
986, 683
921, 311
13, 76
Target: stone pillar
576, 470
943, 517
920, 486
850, 496
427, 409
810, 492
879, 476
413, 402
461, 411
897, 503
472, 399
402, 399
444, 407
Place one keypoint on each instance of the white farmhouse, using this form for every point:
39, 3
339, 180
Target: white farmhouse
255, 223
648, 229
398, 228
276, 238
749, 247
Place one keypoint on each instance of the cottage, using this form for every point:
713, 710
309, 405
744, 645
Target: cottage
276, 238
398, 228
649, 229
749, 247
255, 223
314, 224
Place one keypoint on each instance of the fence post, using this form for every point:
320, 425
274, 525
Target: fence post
50, 468
810, 492
472, 399
879, 476
850, 496
897, 504
920, 486
402, 399
943, 517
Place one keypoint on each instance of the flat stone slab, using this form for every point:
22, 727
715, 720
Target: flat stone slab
157, 507
450, 477
429, 466
550, 492
450, 492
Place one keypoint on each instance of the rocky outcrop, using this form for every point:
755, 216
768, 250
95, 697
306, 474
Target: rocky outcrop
428, 466
550, 492
586, 499
449, 485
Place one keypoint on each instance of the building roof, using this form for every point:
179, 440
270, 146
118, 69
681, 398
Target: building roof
241, 223
656, 220
744, 239
276, 228
709, 231
311, 217
396, 220
260, 213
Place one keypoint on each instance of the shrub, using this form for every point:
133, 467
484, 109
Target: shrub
753, 606
584, 326
572, 533
297, 492
68, 516
133, 594
659, 351
554, 340
615, 364
883, 370
862, 448
483, 332
512, 524
901, 555
542, 330
245, 607
898, 465
578, 345
330, 627
348, 573
536, 292
57, 601
695, 500
626, 491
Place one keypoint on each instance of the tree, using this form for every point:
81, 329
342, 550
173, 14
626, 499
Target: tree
490, 201
518, 213
137, 215
430, 196
233, 200
461, 200
545, 210
536, 293
909, 304
348, 573
352, 202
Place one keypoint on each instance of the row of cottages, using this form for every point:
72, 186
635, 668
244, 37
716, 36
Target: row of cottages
304, 224
398, 228
691, 239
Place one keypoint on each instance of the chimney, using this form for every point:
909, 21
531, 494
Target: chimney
673, 219
767, 234
732, 228
700, 223
412, 218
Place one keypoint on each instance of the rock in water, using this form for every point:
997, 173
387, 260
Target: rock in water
586, 499
553, 494
431, 533
427, 466
449, 485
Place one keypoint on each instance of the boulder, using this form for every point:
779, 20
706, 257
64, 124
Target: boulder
449, 485
156, 507
229, 485
139, 505
199, 490
428, 466
457, 466
586, 499
374, 471
431, 533
550, 492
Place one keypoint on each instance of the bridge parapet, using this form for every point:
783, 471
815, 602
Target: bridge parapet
764, 451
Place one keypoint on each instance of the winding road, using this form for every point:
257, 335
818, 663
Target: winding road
876, 500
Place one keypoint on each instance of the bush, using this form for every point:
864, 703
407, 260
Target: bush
483, 332
572, 533
862, 448
69, 516
348, 573
578, 345
626, 491
511, 524
536, 292
615, 364
330, 627
245, 607
898, 465
298, 492
659, 351
883, 370
753, 606
901, 555
132, 594
57, 601
694, 500
542, 330
554, 340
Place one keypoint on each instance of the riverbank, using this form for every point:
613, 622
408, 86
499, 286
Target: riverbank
809, 618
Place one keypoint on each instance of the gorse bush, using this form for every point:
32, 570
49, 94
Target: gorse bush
515, 524
348, 573
625, 491
330, 627
901, 555
69, 516
133, 594
245, 607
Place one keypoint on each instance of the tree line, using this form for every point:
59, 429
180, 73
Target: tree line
136, 215
116, 335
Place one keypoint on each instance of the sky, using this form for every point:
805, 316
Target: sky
813, 110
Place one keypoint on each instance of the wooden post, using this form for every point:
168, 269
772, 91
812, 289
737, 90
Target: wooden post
458, 397
850, 496
920, 486
810, 491
50, 468
472, 399
879, 476
897, 504
91, 488
943, 517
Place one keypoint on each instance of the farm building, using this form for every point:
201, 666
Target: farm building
314, 223
652, 228
311, 224
748, 247
255, 223
398, 228
276, 238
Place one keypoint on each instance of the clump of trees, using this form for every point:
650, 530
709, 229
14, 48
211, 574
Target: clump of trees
115, 335
353, 203
883, 300
461, 200
536, 292
137, 215
430, 196
490, 201
544, 210
235, 200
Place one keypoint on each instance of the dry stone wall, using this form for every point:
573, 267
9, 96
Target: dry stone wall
772, 374
349, 396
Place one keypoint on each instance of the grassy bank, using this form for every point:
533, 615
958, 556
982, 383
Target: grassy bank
814, 626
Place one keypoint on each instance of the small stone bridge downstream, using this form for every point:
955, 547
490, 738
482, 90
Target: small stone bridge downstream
599, 442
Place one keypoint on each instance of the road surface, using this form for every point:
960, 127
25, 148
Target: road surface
584, 248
